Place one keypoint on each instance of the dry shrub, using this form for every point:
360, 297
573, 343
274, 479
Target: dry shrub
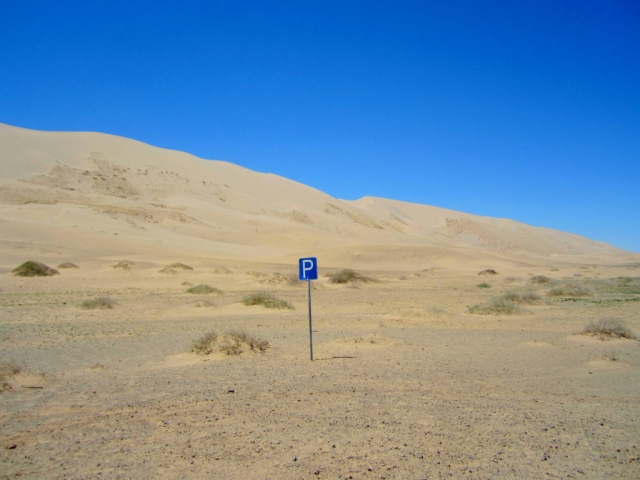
290, 279
204, 290
168, 270
540, 280
8, 369
524, 298
124, 265
180, 266
68, 265
98, 302
34, 269
233, 343
265, 299
347, 275
497, 306
488, 271
608, 328
222, 271
570, 290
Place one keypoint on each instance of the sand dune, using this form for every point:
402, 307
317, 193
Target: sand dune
75, 193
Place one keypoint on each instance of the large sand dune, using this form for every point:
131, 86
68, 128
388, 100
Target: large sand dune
96, 194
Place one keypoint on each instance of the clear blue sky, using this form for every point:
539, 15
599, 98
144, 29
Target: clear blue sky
528, 110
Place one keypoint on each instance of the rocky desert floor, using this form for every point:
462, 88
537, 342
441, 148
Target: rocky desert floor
406, 382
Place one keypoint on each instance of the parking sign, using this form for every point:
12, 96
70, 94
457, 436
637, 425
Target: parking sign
308, 268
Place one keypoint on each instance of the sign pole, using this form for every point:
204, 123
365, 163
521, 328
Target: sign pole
308, 270
310, 327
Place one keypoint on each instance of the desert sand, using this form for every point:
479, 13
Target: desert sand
408, 381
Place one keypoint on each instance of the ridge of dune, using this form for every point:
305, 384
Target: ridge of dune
98, 194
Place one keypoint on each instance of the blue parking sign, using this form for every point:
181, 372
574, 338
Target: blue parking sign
308, 268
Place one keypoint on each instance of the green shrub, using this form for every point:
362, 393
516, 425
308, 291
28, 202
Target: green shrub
204, 290
608, 328
484, 285
497, 306
265, 299
347, 275
98, 302
34, 269
570, 290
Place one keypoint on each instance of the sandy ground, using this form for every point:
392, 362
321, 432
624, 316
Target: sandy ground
406, 383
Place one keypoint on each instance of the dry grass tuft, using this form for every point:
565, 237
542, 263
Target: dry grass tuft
204, 290
347, 275
124, 265
232, 343
68, 265
608, 328
34, 269
8, 369
524, 298
98, 302
222, 271
488, 271
570, 290
265, 299
541, 280
179, 266
497, 306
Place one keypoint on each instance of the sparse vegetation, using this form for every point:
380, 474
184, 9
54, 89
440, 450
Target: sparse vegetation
98, 302
265, 299
34, 269
124, 264
68, 265
347, 275
222, 271
488, 271
7, 369
524, 298
497, 306
484, 285
180, 266
233, 343
611, 356
608, 328
204, 290
541, 280
570, 290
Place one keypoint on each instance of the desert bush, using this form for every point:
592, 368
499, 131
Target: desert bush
540, 280
68, 265
7, 369
523, 298
347, 275
168, 270
608, 328
488, 271
180, 266
205, 344
265, 299
222, 271
231, 343
124, 264
497, 306
34, 269
484, 285
570, 290
187, 284
611, 356
204, 290
98, 302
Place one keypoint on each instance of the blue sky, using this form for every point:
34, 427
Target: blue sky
528, 110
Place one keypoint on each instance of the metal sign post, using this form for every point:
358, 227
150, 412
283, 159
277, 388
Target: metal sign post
308, 270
